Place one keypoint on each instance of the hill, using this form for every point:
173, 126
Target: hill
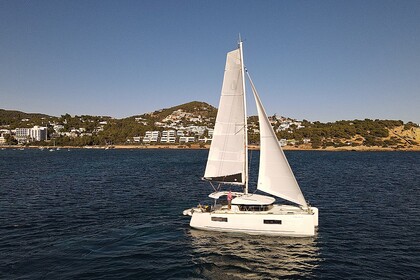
194, 107
15, 118
392, 134
197, 117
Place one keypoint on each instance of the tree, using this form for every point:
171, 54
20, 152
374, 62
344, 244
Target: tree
316, 142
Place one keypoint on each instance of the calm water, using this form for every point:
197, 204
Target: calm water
96, 214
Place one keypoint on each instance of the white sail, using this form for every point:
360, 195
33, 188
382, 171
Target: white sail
275, 176
226, 160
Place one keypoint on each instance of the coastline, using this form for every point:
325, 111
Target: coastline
251, 147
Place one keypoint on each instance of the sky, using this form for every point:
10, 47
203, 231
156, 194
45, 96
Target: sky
314, 60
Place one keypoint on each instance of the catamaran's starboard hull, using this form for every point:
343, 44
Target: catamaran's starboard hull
301, 224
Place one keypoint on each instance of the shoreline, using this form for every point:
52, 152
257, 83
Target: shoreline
197, 147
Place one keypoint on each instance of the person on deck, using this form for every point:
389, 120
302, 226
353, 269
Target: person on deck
229, 199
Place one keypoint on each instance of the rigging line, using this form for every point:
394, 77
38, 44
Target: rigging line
213, 186
250, 161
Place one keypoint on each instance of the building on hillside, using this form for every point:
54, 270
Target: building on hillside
151, 137
22, 135
168, 139
204, 140
3, 133
58, 128
283, 142
197, 130
283, 126
196, 119
169, 133
168, 136
37, 133
180, 133
186, 139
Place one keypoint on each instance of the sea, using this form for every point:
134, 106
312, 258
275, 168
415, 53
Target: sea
117, 214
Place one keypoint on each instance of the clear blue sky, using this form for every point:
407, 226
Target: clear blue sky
314, 60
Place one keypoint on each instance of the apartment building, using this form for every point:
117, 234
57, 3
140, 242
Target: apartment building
37, 133
151, 137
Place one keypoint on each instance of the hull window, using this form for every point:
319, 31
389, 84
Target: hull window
254, 208
219, 219
272, 222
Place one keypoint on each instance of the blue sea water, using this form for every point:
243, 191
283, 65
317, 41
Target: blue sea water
117, 214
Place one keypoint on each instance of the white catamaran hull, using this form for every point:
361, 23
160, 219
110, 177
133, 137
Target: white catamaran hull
291, 222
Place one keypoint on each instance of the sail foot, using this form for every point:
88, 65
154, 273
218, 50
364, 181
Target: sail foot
233, 178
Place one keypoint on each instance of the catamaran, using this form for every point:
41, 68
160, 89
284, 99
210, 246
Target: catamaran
227, 165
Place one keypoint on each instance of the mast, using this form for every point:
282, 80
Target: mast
245, 116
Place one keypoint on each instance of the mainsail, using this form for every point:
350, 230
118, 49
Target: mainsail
275, 175
227, 156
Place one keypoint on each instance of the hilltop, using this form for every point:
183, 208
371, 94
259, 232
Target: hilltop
12, 117
194, 107
196, 120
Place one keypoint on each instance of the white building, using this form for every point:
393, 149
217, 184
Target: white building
168, 139
2, 138
22, 133
180, 133
283, 142
198, 130
151, 136
152, 133
204, 140
38, 133
186, 139
169, 133
283, 126
58, 128
168, 136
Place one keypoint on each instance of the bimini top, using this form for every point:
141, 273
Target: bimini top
253, 199
245, 199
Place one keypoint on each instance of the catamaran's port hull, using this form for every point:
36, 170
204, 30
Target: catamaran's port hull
296, 224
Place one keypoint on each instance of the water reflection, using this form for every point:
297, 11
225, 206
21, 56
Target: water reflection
234, 256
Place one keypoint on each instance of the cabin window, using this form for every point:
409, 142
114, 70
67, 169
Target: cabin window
272, 222
218, 219
254, 208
